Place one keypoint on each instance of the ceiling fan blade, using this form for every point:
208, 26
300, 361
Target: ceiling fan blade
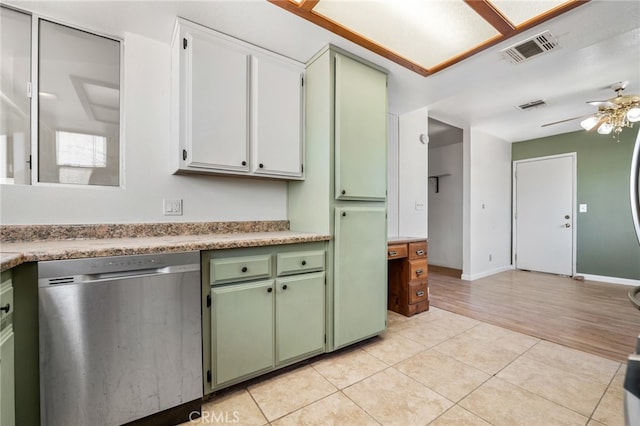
607, 104
563, 121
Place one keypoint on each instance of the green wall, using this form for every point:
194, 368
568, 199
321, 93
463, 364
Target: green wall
606, 241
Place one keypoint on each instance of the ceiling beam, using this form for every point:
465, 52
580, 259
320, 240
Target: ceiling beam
491, 15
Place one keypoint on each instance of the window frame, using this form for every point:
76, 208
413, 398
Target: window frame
33, 91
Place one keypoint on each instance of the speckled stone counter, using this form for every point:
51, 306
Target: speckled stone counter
16, 233
15, 253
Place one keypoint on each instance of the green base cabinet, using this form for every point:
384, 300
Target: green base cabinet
7, 353
263, 309
7, 380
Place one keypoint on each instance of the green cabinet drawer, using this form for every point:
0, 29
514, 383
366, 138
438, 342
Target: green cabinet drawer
299, 262
6, 303
235, 269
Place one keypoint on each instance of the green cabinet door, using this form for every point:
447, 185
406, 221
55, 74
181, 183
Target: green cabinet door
242, 327
7, 379
299, 316
360, 131
360, 273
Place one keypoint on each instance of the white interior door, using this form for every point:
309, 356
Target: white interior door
544, 214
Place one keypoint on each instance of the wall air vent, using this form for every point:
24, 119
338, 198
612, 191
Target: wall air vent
526, 49
532, 104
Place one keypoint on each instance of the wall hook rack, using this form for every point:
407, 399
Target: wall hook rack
436, 178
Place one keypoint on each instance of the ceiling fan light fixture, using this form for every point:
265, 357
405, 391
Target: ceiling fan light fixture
590, 122
605, 128
633, 115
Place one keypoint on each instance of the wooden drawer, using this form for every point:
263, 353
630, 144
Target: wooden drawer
397, 251
299, 262
418, 250
418, 292
418, 269
239, 268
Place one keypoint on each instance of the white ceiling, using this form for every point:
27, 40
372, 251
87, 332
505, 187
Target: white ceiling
600, 45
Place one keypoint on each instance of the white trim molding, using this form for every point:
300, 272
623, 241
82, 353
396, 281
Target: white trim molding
484, 274
611, 280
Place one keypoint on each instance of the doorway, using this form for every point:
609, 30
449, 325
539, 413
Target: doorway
544, 231
445, 201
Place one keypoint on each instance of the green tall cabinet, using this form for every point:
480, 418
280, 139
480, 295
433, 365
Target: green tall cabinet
344, 192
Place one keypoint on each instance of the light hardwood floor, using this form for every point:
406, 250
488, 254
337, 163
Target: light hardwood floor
589, 316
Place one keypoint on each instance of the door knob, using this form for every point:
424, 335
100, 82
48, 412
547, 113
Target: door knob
567, 225
566, 216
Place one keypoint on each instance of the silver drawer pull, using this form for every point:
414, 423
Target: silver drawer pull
420, 252
420, 293
393, 253
419, 272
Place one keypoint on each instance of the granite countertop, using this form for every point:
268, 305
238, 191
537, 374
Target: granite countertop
400, 239
14, 253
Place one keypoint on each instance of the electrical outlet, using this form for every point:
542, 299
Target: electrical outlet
172, 207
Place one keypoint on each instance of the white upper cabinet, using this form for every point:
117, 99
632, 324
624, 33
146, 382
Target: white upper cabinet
238, 108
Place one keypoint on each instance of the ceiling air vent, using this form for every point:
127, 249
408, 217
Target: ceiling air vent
526, 49
532, 104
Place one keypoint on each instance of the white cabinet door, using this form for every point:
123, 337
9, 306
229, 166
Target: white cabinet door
216, 131
277, 117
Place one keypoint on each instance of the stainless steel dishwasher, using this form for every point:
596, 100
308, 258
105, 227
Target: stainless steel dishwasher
120, 337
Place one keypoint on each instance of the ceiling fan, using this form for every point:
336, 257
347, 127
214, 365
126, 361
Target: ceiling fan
613, 114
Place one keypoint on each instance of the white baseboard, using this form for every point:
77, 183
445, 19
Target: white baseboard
477, 276
612, 280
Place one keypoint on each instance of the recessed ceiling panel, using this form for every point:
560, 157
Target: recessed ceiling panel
425, 32
519, 12
427, 36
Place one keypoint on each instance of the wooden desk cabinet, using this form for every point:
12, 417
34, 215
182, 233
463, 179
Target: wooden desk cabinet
408, 276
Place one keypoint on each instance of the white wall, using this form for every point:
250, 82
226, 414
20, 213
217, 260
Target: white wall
445, 206
412, 174
147, 180
489, 212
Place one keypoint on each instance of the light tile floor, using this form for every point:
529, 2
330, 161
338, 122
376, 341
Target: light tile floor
436, 368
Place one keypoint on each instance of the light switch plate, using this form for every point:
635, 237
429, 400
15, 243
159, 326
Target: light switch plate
583, 208
172, 207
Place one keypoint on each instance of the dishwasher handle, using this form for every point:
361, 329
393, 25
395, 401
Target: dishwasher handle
117, 275
105, 276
